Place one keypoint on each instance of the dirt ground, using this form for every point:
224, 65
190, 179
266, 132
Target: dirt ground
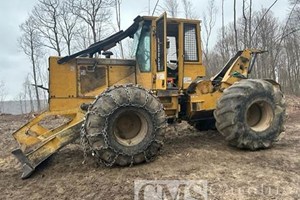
187, 155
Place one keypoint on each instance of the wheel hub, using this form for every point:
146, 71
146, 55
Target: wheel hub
259, 116
130, 128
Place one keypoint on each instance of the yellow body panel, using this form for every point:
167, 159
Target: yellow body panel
145, 79
74, 83
240, 66
61, 104
191, 72
62, 79
206, 96
169, 99
204, 102
161, 76
121, 75
37, 143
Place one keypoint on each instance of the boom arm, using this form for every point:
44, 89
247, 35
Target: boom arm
238, 67
106, 43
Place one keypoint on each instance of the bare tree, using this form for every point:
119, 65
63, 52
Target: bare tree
155, 7
223, 35
209, 21
262, 17
21, 99
245, 20
47, 15
289, 72
246, 23
31, 45
188, 10
265, 38
250, 24
223, 21
28, 92
262, 30
171, 7
291, 77
82, 37
118, 19
129, 51
94, 13
235, 26
223, 49
67, 25
149, 4
43, 82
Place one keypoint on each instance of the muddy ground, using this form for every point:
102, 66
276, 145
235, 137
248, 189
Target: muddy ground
187, 155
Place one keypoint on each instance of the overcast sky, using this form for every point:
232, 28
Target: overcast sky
14, 65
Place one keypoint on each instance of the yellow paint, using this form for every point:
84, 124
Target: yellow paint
121, 75
191, 72
145, 79
207, 101
32, 133
62, 79
61, 104
180, 55
241, 66
161, 77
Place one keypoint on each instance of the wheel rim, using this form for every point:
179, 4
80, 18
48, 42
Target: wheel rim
130, 128
259, 116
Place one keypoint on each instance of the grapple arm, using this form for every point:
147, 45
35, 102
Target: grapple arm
37, 143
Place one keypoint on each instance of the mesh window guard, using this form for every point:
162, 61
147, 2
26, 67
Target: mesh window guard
190, 43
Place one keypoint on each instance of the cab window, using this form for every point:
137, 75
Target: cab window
143, 56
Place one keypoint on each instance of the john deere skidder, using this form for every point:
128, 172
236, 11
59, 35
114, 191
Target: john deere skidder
119, 107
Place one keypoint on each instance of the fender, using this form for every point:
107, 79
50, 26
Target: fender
274, 83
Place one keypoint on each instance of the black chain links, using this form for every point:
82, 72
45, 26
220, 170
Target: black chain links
85, 142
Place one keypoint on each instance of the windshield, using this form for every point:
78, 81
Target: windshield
136, 37
143, 46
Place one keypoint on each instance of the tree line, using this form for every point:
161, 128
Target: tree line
263, 30
63, 27
257, 29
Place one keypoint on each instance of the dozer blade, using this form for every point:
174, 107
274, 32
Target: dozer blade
37, 147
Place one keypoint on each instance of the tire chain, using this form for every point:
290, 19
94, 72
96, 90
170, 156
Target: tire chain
87, 146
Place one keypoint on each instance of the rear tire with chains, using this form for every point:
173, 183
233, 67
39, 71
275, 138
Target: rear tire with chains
125, 125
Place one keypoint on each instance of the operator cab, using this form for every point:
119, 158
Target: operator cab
169, 51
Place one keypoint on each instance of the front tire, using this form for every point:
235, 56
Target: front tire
250, 114
125, 125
